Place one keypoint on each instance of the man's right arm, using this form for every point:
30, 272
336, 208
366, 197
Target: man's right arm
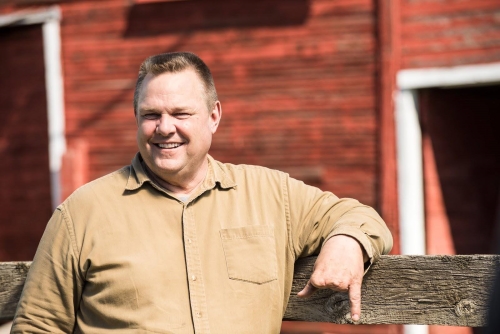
52, 291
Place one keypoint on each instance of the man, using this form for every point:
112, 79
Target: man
180, 243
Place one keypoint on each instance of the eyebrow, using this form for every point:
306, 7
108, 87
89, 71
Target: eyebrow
148, 109
174, 110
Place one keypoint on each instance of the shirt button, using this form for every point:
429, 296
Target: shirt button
193, 278
189, 241
198, 314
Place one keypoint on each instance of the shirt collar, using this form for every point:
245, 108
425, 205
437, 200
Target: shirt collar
217, 174
137, 175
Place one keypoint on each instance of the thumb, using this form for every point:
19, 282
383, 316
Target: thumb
307, 291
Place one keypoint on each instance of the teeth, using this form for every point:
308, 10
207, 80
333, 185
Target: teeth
169, 145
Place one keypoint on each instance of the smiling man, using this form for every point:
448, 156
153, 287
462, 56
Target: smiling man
175, 129
178, 242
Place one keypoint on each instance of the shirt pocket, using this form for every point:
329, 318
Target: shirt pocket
250, 253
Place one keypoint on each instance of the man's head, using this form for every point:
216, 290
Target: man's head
176, 117
174, 62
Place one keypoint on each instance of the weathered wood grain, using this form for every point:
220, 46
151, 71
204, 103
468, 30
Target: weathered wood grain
441, 290
12, 277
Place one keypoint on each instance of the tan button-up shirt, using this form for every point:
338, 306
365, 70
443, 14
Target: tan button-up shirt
122, 254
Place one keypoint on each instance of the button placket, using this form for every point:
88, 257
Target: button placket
195, 281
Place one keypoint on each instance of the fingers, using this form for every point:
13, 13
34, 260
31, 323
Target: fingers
339, 267
355, 300
308, 290
354, 297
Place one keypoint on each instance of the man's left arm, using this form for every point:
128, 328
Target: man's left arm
351, 237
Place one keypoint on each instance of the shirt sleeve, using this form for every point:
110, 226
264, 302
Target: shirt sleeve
316, 216
53, 287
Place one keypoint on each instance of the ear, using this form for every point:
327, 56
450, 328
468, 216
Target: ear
215, 116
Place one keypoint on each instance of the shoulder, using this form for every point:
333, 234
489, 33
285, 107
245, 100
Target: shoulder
110, 185
251, 173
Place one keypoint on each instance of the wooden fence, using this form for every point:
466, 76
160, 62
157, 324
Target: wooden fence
398, 289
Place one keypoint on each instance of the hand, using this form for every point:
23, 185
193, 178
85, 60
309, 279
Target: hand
340, 267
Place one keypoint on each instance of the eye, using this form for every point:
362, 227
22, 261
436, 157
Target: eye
182, 115
151, 116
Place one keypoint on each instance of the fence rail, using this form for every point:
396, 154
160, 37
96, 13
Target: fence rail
398, 289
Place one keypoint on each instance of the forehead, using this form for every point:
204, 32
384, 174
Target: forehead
185, 83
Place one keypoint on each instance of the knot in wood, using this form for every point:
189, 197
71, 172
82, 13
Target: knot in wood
465, 307
338, 306
22, 268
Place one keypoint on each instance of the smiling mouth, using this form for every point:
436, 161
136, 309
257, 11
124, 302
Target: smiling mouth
169, 145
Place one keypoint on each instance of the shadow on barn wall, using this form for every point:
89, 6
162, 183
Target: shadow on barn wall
168, 17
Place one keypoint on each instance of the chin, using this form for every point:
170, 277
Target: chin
170, 167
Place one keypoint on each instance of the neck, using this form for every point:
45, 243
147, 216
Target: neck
179, 186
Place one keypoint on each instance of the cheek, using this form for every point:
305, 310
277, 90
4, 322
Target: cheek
146, 129
186, 129
186, 125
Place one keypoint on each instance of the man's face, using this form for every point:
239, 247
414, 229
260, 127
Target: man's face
174, 126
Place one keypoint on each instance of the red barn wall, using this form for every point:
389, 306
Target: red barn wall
437, 33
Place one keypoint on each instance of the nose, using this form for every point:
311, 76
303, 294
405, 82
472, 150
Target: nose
165, 125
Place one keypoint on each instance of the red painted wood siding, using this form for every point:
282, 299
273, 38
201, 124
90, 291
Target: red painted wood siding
438, 33
389, 55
